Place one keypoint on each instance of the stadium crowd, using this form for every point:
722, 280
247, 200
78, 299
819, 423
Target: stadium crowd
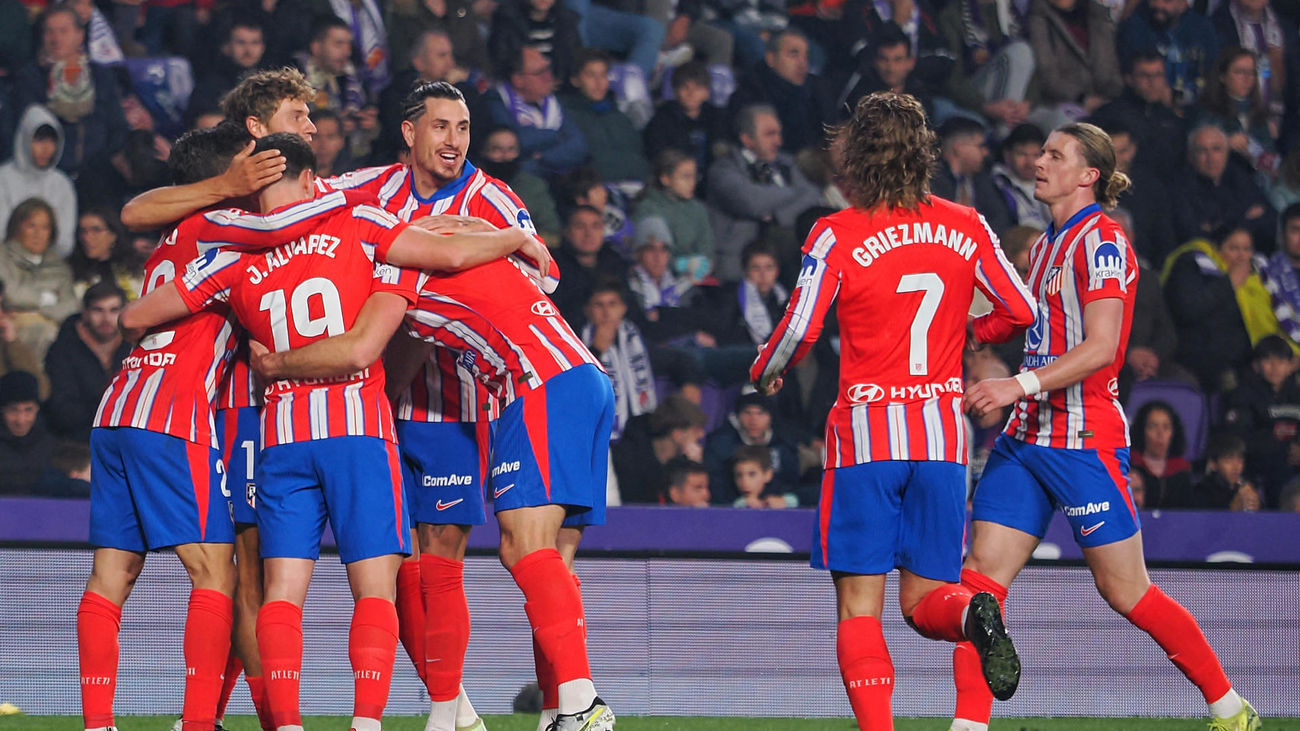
673, 157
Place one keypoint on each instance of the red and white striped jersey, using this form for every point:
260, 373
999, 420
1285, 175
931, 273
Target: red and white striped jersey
442, 390
241, 387
499, 325
169, 381
300, 290
1088, 259
905, 281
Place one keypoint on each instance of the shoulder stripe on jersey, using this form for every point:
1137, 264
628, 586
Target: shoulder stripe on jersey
280, 219
375, 215
822, 246
357, 178
394, 186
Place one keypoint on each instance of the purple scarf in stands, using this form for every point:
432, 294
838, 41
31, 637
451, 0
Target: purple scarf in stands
1280, 279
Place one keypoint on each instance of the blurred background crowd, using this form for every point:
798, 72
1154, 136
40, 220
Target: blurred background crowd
672, 154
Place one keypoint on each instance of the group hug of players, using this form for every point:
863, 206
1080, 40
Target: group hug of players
191, 451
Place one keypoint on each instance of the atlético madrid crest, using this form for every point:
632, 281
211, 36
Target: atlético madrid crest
1054, 281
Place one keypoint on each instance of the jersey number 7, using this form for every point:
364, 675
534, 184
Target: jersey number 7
932, 286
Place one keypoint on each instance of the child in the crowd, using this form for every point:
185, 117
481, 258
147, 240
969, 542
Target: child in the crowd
1224, 486
751, 468
69, 472
1265, 412
688, 483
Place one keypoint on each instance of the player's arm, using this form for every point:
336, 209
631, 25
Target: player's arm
819, 283
402, 360
247, 173
1103, 320
416, 248
163, 304
340, 355
1014, 307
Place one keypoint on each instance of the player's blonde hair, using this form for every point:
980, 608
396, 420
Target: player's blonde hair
259, 94
1099, 152
884, 153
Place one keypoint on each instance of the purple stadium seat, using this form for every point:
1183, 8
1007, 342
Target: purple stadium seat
1188, 402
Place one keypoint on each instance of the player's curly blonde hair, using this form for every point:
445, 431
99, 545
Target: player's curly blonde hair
259, 94
884, 153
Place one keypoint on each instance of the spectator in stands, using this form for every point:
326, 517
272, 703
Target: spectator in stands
754, 478
329, 144
1074, 54
409, 19
433, 59
101, 41
961, 176
1137, 488
1256, 27
32, 173
622, 27
994, 62
671, 197
674, 429
656, 289
584, 186
1201, 282
887, 64
25, 446
1159, 441
241, 52
328, 67
618, 344
747, 312
1233, 102
614, 143
69, 472
1216, 191
1014, 176
286, 26
1281, 275
1146, 109
374, 62
1285, 190
546, 25
83, 95
754, 189
87, 353
550, 143
15, 355
1146, 200
784, 83
687, 121
171, 27
1182, 36
500, 159
1152, 340
38, 283
103, 254
583, 258
1224, 486
1265, 412
751, 422
141, 164
688, 483
917, 20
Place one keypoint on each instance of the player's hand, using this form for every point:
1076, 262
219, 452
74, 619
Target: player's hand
260, 360
249, 173
972, 342
449, 224
535, 251
992, 394
771, 387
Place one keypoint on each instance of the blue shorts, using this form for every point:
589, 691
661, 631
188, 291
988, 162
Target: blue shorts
1023, 483
356, 482
878, 516
150, 490
444, 467
551, 447
239, 432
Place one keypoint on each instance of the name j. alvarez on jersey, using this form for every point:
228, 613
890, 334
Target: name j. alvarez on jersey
318, 244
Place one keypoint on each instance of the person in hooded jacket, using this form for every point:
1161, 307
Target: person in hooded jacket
32, 173
25, 445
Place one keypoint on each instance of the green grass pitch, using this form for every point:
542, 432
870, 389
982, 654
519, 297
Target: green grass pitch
667, 723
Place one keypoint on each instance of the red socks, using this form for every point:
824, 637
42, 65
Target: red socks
554, 609
257, 689
279, 642
938, 615
229, 677
98, 623
1178, 634
974, 699
410, 614
207, 644
372, 648
446, 629
545, 678
867, 671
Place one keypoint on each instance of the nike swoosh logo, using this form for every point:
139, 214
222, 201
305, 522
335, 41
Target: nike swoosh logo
498, 493
443, 506
1089, 530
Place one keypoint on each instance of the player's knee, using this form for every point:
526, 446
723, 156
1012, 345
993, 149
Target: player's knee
1121, 595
